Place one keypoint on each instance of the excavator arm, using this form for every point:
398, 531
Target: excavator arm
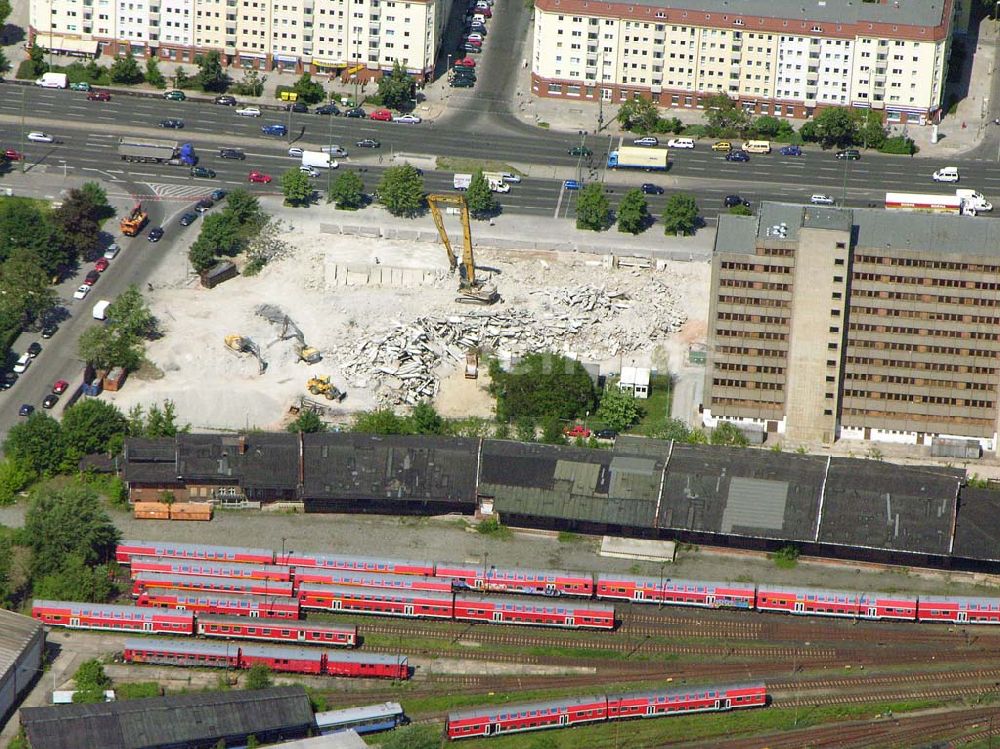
432, 201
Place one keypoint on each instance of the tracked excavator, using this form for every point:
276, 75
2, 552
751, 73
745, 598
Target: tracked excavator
472, 290
243, 345
289, 329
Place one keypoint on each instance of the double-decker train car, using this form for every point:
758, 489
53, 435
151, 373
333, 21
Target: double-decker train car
174, 550
958, 609
241, 586
897, 606
203, 602
111, 616
502, 610
789, 600
169, 566
688, 700
241, 627
410, 603
371, 580
356, 564
678, 592
516, 580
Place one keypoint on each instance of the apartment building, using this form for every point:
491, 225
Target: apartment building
362, 37
778, 57
829, 323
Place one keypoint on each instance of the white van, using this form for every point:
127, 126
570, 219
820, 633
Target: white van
101, 310
52, 80
757, 146
947, 174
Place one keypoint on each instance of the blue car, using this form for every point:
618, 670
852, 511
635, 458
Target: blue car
274, 130
571, 184
791, 151
737, 156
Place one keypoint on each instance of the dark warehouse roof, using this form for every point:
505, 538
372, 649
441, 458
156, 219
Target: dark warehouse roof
977, 532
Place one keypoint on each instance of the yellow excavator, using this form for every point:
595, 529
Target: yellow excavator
243, 345
472, 290
321, 385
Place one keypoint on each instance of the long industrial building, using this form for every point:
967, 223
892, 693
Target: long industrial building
22, 646
777, 57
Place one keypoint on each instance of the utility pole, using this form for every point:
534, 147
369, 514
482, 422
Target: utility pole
329, 169
24, 159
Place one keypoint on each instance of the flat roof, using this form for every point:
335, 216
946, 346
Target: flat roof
977, 532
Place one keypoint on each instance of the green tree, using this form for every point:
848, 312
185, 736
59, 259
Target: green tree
23, 226
401, 191
154, 77
125, 69
75, 580
397, 90
836, 127
592, 208
347, 191
479, 196
633, 212
380, 421
25, 291
413, 737
223, 232
426, 420
727, 434
97, 200
201, 255
524, 429
15, 475
259, 676
162, 421
552, 430
211, 75
37, 57
181, 78
251, 84
769, 126
308, 422
308, 90
725, 116
640, 115
67, 521
91, 674
740, 210
673, 429
809, 132
296, 187
76, 224
89, 426
542, 384
105, 348
36, 443
130, 314
872, 133
680, 215
243, 207
617, 409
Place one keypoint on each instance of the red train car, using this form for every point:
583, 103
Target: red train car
958, 610
202, 602
411, 603
371, 580
501, 610
315, 633
886, 606
677, 592
356, 564
174, 653
690, 700
168, 566
496, 721
150, 580
113, 617
788, 600
522, 581
128, 549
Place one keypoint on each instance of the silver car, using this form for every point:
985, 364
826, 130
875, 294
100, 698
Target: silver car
821, 200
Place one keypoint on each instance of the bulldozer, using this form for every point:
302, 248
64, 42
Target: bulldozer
132, 224
472, 290
243, 345
321, 385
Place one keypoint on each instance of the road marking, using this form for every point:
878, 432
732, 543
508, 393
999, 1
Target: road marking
562, 189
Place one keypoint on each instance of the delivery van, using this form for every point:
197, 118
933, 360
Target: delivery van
757, 146
101, 310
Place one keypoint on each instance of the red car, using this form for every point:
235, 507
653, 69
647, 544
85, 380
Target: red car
101, 265
486, 12
60, 387
465, 62
98, 96
11, 154
577, 431
383, 115
259, 177
477, 43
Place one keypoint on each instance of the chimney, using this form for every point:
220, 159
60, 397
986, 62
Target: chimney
243, 444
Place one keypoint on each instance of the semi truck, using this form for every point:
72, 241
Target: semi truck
648, 159
318, 160
959, 205
150, 150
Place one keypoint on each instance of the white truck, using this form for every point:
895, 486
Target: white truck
976, 199
462, 181
52, 80
497, 181
318, 160
920, 203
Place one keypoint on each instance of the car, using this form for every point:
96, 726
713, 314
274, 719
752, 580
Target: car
382, 115
205, 204
101, 265
202, 171
26, 409
849, 154
49, 330
462, 82
39, 137
258, 177
174, 95
821, 200
737, 156
98, 96
81, 86
790, 151
22, 363
473, 42
368, 143
275, 129
486, 12
330, 109
473, 48
172, 123
11, 155
474, 36
308, 170
34, 349
465, 62
295, 152
50, 400
723, 145
407, 119
60, 387
572, 184
297, 106
680, 143
7, 380
605, 434
232, 153
511, 179
91, 278
248, 112
356, 113
730, 200
218, 195
947, 174
648, 188
112, 251
478, 28
333, 150
577, 430
226, 100
649, 140
467, 73
155, 234
188, 218
580, 151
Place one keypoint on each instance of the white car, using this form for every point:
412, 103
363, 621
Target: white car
512, 179
112, 251
295, 151
680, 143
648, 140
821, 200
248, 112
22, 363
308, 170
407, 119
948, 174
39, 137
81, 292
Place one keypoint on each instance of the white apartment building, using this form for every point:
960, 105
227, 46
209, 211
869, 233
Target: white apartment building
780, 57
362, 37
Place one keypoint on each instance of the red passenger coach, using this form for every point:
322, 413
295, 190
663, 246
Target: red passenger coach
963, 610
886, 606
357, 564
128, 549
168, 566
375, 601
678, 592
495, 721
371, 580
220, 603
315, 633
499, 610
174, 653
150, 580
807, 601
691, 700
113, 617
522, 581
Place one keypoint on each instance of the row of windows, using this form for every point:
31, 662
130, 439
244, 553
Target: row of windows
734, 367
920, 348
755, 267
925, 315
763, 319
748, 351
738, 283
910, 398
933, 366
864, 415
926, 263
899, 330
919, 381
748, 385
762, 335
953, 283
753, 301
777, 406
926, 298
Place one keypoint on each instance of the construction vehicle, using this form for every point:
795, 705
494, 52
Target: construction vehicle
244, 345
132, 224
472, 290
289, 329
321, 385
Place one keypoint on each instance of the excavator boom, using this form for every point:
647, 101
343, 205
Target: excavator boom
472, 290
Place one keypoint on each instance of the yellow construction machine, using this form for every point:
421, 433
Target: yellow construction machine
321, 385
472, 290
243, 345
132, 224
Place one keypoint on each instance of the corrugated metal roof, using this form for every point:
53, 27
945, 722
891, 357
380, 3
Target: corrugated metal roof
16, 633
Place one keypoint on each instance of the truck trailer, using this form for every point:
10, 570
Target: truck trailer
648, 159
920, 203
150, 150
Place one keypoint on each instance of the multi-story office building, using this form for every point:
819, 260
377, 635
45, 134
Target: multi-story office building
779, 57
322, 36
831, 323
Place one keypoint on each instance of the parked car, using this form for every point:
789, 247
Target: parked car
330, 109
368, 143
649, 188
81, 86
680, 143
462, 82
737, 156
248, 112
34, 349
112, 251
730, 200
39, 137
202, 171
98, 96
572, 184
60, 387
188, 218
26, 409
605, 434
277, 130
580, 151
23, 362
218, 195
7, 380
649, 140
382, 115
577, 430
11, 155
407, 119
49, 330
512, 179
258, 177
465, 74
356, 113
465, 62
821, 200
297, 106
50, 400
174, 95
849, 154
723, 145
473, 48
91, 278
790, 151
172, 123
102, 265
203, 205
232, 153
474, 36
226, 100
155, 234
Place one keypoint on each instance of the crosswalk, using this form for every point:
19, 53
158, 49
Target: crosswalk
169, 191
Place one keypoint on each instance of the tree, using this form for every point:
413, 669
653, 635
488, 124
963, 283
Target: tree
88, 426
158, 422
36, 55
401, 191
125, 69
68, 521
414, 737
426, 420
347, 191
542, 384
97, 198
296, 187
308, 90
211, 75
524, 429
633, 212
397, 90
680, 215
15, 475
479, 196
154, 77
243, 206
130, 314
592, 208
24, 226
91, 674
617, 409
76, 581
252, 84
308, 422
36, 443
201, 256
552, 432
106, 347
727, 434
740, 210
725, 116
380, 421
223, 232
872, 132
77, 224
769, 126
836, 126
266, 245
673, 429
25, 289
640, 115
259, 676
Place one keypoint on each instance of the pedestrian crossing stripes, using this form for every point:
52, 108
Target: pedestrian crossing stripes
168, 191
